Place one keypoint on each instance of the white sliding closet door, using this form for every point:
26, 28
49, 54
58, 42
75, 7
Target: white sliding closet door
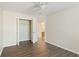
23, 30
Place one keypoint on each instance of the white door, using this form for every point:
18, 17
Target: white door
34, 31
23, 30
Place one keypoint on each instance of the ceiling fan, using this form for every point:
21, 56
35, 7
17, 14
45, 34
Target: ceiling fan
39, 6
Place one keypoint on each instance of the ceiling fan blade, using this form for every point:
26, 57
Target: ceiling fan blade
38, 7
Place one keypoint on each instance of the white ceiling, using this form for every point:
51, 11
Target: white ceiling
28, 7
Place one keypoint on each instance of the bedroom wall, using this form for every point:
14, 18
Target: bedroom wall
1, 32
9, 26
62, 29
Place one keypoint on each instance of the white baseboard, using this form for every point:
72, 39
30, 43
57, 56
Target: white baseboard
1, 51
64, 48
8, 45
24, 40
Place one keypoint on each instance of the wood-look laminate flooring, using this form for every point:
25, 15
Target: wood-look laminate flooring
39, 49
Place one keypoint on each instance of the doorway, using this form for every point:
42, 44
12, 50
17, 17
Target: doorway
42, 31
24, 29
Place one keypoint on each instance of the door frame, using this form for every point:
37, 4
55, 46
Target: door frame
17, 30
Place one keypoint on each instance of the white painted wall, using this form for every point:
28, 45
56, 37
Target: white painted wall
35, 29
62, 29
9, 26
1, 35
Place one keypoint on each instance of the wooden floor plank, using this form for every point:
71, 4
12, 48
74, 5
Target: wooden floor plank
39, 49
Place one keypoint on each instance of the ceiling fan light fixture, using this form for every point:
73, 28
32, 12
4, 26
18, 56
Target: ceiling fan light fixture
42, 4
